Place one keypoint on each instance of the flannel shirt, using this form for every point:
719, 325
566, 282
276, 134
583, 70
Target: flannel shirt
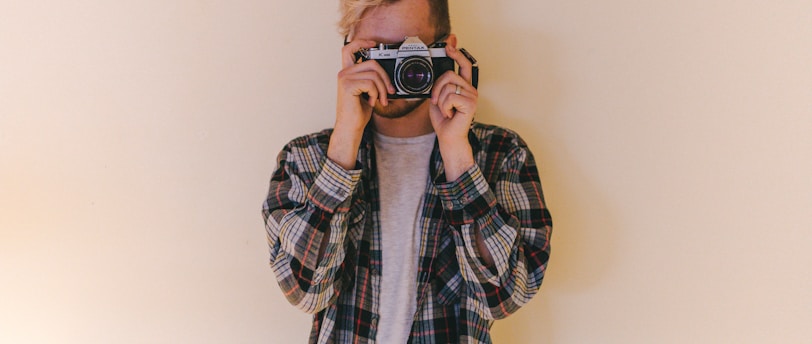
458, 296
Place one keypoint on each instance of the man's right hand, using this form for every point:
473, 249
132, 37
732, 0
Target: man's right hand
353, 112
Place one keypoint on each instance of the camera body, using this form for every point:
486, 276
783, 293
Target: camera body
412, 66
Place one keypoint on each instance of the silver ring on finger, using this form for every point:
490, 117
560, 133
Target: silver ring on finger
458, 90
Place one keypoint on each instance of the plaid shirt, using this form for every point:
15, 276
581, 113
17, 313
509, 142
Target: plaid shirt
458, 296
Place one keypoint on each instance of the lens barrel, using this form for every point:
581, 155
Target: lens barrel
414, 75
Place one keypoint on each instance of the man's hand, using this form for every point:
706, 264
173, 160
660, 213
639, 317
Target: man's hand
454, 102
353, 112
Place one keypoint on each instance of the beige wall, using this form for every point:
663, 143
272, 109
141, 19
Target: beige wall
137, 138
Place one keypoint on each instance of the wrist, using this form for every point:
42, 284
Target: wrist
343, 147
349, 130
458, 157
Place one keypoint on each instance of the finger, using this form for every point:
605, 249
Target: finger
376, 67
448, 104
442, 98
450, 100
454, 104
462, 61
370, 70
365, 86
349, 50
451, 78
371, 66
377, 82
357, 87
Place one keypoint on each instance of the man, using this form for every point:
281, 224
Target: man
406, 222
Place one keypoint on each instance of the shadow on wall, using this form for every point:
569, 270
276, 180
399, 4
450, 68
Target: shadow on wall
519, 69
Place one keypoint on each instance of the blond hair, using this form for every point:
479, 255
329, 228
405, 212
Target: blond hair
353, 10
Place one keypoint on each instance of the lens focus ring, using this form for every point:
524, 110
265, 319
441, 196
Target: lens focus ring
414, 75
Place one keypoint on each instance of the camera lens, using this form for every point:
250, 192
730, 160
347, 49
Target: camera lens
414, 75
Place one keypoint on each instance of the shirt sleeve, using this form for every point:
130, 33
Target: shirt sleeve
301, 208
515, 224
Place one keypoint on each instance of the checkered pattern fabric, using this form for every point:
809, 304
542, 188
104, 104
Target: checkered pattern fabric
458, 297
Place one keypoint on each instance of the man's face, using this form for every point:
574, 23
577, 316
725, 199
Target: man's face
391, 24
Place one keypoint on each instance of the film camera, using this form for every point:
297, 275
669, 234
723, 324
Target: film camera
413, 67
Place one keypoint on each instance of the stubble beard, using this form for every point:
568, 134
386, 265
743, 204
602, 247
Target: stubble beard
397, 108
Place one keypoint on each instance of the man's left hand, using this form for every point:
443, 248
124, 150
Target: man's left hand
453, 105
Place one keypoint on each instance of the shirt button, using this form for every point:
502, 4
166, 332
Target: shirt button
373, 271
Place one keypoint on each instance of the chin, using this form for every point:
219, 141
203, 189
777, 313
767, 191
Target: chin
398, 108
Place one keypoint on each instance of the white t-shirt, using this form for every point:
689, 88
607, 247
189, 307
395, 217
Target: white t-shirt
403, 171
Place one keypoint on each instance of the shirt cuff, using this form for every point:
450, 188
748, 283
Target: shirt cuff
467, 198
333, 186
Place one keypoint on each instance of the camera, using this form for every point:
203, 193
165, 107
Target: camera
412, 66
